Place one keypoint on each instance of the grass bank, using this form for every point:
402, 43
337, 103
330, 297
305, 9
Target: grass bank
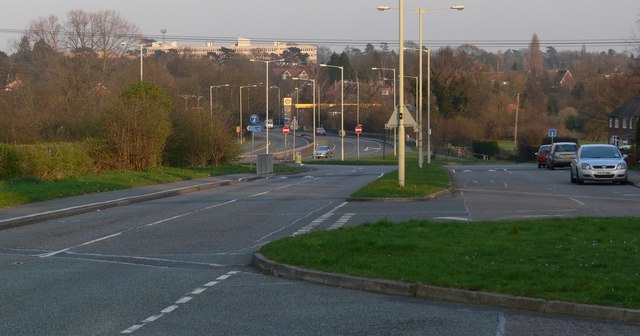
25, 190
586, 260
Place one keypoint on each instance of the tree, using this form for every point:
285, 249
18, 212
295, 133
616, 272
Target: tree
136, 127
534, 58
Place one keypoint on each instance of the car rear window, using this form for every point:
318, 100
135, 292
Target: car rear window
566, 148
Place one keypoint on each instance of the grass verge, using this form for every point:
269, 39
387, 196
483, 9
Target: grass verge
586, 260
25, 190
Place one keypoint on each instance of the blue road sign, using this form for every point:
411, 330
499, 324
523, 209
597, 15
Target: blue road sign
254, 119
553, 132
254, 128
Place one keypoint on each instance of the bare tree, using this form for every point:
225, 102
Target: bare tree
47, 29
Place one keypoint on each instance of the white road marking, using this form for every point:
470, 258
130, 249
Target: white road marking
177, 304
317, 221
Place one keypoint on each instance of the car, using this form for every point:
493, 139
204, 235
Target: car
269, 123
541, 155
323, 151
321, 131
561, 154
599, 162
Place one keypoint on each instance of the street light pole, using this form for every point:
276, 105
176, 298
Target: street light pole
243, 87
395, 102
279, 99
420, 153
313, 82
341, 105
266, 63
211, 96
141, 72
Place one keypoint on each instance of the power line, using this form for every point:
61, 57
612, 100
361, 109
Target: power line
337, 42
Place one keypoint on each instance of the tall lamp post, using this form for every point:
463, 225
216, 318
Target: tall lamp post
211, 96
401, 61
395, 102
266, 90
313, 82
244, 87
341, 105
279, 101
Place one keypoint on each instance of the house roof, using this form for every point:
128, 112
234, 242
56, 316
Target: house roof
630, 108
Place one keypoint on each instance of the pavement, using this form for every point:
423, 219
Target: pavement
69, 206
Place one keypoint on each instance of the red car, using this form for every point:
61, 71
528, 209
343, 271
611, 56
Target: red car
542, 154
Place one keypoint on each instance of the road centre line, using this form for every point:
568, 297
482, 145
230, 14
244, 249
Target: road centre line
51, 254
181, 301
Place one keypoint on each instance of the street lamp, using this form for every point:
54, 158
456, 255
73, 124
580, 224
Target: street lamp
279, 101
243, 87
401, 66
313, 81
266, 90
211, 96
395, 102
341, 105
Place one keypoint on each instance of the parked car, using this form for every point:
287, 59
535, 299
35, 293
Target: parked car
598, 162
321, 131
323, 152
561, 154
541, 155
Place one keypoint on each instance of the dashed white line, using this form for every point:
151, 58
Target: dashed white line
318, 221
176, 305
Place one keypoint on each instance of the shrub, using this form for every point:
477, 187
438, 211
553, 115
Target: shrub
50, 161
487, 147
9, 162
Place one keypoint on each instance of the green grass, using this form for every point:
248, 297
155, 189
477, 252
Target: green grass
587, 260
25, 190
419, 182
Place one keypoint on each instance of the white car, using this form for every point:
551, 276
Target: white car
269, 123
598, 162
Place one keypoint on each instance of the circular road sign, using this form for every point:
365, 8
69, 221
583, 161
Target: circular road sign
254, 118
358, 129
285, 129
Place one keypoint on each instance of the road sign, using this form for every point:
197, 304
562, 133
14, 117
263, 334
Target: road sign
254, 128
254, 118
285, 129
553, 132
358, 129
287, 101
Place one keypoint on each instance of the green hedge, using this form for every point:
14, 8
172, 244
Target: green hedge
487, 147
50, 161
9, 162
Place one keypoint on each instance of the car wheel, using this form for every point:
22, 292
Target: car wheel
579, 180
573, 179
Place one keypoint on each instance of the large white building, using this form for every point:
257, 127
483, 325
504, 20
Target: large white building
242, 47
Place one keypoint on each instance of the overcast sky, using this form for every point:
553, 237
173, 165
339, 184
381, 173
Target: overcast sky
490, 24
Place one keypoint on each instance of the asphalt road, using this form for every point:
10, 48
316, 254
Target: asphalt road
181, 265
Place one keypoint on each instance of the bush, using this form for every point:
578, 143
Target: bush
50, 161
9, 162
486, 147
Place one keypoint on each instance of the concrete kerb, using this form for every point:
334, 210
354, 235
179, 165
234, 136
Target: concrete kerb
84, 208
443, 294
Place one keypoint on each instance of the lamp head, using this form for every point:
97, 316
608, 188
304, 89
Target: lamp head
383, 8
457, 7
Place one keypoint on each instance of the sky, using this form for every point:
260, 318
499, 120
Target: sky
493, 25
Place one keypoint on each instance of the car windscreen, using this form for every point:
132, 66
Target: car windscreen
600, 153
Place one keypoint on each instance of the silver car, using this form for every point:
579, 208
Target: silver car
598, 162
323, 152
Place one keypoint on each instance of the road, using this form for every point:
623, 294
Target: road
181, 265
353, 147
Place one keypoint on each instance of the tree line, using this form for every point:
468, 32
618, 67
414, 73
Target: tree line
77, 81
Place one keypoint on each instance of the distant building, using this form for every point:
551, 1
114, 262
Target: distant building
623, 121
243, 46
